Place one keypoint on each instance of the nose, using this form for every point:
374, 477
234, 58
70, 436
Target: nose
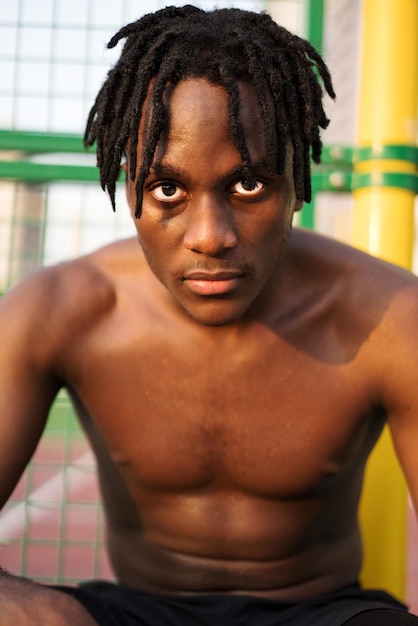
210, 227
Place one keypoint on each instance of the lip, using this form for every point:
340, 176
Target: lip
212, 284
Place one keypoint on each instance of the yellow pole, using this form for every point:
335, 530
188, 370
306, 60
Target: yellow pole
383, 224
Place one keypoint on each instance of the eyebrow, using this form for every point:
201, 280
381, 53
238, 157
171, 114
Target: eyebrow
161, 169
255, 166
164, 169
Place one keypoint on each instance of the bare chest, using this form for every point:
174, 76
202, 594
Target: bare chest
271, 422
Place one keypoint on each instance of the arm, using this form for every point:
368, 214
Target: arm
40, 318
398, 352
26, 603
28, 378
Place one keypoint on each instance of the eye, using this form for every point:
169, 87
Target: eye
168, 192
248, 188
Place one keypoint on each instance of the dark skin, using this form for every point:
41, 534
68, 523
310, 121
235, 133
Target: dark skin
232, 377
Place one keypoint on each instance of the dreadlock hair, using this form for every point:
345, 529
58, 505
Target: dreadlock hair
223, 46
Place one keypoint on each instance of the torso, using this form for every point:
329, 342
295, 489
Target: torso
231, 458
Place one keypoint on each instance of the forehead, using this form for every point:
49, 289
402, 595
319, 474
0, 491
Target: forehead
194, 94
196, 107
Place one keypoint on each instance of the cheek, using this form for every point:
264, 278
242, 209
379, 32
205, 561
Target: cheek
145, 236
155, 243
274, 236
274, 225
156, 260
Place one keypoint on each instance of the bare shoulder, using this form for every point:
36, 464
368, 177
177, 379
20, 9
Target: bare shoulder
369, 302
363, 277
374, 315
73, 295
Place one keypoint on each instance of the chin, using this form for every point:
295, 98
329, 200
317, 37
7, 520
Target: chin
215, 323
215, 314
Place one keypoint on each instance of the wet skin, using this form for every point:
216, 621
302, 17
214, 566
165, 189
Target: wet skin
232, 378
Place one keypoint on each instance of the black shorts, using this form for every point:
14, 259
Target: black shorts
116, 605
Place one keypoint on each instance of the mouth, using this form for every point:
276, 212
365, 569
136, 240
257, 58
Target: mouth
213, 283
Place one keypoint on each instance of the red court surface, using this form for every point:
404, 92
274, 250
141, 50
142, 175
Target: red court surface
52, 527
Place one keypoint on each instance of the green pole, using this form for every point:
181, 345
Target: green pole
314, 26
315, 23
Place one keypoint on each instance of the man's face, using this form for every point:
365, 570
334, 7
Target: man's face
214, 242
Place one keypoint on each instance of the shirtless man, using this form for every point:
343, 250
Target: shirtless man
232, 376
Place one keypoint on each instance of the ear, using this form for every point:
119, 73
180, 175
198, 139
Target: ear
298, 205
